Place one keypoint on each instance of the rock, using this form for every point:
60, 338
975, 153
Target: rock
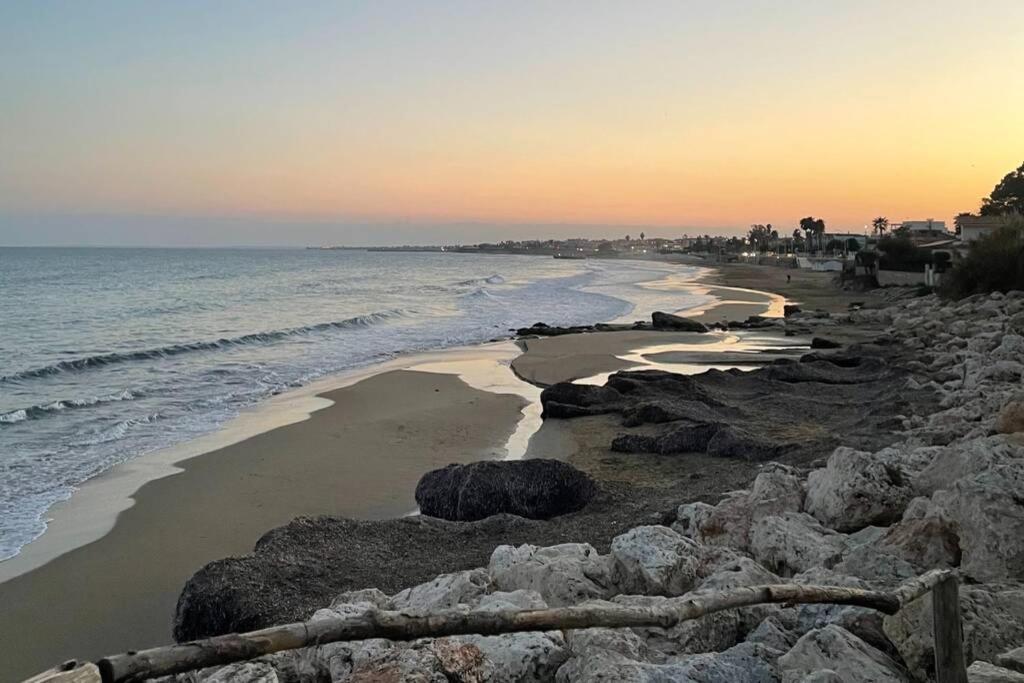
856, 489
667, 321
425, 661
987, 513
822, 343
734, 442
251, 672
711, 633
725, 524
564, 574
926, 543
983, 672
534, 488
743, 663
520, 657
789, 309
771, 632
654, 560
835, 649
1014, 659
793, 542
444, 592
776, 489
993, 622
566, 399
598, 664
1011, 418
964, 459
621, 640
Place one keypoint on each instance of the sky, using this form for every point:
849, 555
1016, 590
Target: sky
387, 122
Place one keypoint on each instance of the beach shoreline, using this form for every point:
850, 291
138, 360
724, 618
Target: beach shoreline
94, 536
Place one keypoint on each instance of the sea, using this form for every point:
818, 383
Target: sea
108, 354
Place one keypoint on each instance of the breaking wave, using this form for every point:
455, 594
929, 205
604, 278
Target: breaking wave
40, 411
102, 360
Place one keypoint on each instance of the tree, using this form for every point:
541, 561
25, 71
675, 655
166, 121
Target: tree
881, 224
815, 228
627, 238
1007, 197
852, 244
758, 236
641, 237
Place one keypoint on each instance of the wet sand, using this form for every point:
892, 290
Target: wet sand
360, 457
549, 360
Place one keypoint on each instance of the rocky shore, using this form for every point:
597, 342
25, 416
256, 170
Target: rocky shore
898, 452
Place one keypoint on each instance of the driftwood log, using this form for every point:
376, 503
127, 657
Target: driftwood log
221, 650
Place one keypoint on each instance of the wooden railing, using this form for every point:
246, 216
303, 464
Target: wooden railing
221, 650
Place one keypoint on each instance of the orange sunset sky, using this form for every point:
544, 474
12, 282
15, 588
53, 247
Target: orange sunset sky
354, 117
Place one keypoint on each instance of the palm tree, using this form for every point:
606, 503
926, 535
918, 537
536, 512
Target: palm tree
881, 224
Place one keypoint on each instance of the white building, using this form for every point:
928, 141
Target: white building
973, 227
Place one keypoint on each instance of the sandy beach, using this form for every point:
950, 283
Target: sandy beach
360, 457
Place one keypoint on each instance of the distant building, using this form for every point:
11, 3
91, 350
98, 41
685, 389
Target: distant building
973, 227
862, 240
927, 226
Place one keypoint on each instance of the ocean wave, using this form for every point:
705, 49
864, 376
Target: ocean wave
40, 411
116, 431
102, 360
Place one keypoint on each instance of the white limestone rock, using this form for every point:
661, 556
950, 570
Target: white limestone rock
711, 633
835, 649
564, 574
856, 489
519, 657
987, 513
794, 542
654, 560
1014, 659
444, 592
983, 672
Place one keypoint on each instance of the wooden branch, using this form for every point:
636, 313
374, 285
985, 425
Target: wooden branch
949, 641
136, 666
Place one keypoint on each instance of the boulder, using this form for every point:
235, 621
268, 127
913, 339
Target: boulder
520, 657
983, 672
1013, 659
1011, 418
776, 489
993, 622
822, 343
794, 542
835, 649
654, 560
987, 514
856, 489
564, 574
251, 672
425, 661
667, 321
964, 459
743, 663
533, 488
711, 633
444, 592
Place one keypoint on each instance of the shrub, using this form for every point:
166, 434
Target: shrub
899, 253
995, 263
